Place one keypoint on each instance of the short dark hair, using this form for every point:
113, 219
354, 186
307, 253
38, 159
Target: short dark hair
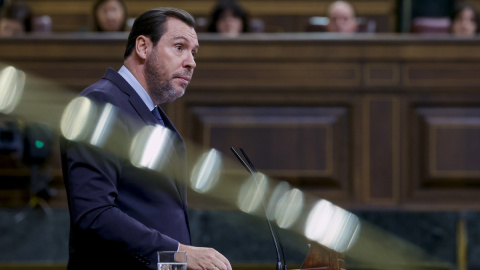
18, 12
96, 22
152, 24
461, 6
237, 10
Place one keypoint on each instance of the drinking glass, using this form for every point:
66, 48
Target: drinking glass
172, 260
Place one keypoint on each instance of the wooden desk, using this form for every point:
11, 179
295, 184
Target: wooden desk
364, 121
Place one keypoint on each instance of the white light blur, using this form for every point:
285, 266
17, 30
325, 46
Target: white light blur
252, 192
332, 226
77, 118
104, 125
282, 188
206, 171
289, 208
12, 83
151, 147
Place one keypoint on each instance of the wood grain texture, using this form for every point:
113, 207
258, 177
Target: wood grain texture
364, 121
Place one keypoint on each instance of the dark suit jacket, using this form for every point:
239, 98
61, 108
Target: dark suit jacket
120, 215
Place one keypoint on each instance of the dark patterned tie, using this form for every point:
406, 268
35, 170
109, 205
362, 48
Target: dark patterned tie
157, 115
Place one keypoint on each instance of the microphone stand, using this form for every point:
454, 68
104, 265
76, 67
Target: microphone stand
273, 230
266, 214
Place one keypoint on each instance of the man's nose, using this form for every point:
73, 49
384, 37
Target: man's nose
190, 62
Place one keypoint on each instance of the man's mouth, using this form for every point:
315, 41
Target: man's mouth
185, 79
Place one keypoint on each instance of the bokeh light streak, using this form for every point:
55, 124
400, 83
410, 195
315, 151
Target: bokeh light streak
12, 83
289, 208
151, 147
317, 220
76, 118
332, 226
104, 125
332, 235
354, 231
281, 188
206, 172
252, 192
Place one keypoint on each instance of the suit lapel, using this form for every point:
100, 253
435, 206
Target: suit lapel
134, 99
181, 182
147, 116
179, 147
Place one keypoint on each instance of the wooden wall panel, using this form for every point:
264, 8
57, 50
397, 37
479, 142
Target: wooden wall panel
452, 146
277, 74
365, 121
382, 74
441, 74
445, 158
308, 146
75, 76
381, 154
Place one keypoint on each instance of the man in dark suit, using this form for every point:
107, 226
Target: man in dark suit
121, 215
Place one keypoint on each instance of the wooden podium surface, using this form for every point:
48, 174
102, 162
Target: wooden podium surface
319, 257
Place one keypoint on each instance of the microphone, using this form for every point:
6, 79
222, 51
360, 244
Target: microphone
279, 260
274, 227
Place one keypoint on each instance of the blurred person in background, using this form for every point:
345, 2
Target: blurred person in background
110, 16
342, 18
464, 20
15, 19
229, 18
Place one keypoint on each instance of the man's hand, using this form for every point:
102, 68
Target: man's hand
200, 258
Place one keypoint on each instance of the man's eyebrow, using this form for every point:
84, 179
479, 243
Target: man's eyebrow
184, 39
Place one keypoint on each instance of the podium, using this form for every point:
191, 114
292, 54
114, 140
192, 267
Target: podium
322, 258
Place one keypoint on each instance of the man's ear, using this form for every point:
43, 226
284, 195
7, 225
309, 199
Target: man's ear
142, 46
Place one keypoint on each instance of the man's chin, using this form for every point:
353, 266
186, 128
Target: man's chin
175, 94
180, 91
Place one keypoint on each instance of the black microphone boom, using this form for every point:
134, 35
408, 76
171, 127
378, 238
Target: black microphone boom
279, 260
266, 214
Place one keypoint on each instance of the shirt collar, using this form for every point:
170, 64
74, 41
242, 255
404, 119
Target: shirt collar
128, 76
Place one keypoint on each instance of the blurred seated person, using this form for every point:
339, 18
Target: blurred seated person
341, 15
464, 20
229, 18
15, 20
110, 16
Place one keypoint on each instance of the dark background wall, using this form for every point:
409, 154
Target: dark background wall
43, 238
432, 8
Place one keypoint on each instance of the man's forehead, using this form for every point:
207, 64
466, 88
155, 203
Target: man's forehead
341, 7
177, 29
